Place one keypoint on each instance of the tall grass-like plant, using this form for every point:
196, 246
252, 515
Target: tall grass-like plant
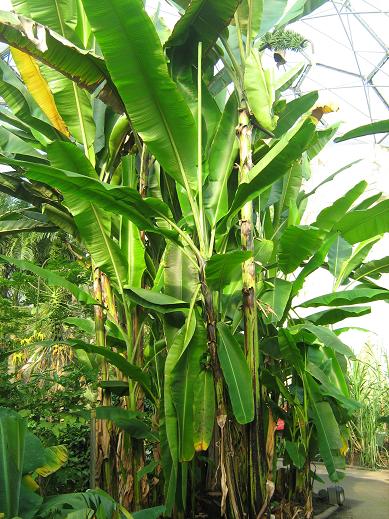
369, 385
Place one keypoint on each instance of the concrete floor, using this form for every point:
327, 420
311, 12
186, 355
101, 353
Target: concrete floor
366, 493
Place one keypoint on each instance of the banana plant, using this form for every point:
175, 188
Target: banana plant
186, 188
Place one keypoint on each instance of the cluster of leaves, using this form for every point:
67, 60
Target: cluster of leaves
58, 421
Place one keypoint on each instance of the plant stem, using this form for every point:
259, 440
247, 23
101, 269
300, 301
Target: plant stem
249, 303
199, 142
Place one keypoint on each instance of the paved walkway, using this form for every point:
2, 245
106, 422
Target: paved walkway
366, 493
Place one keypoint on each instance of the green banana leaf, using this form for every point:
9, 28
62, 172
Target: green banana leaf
52, 279
366, 129
354, 296
328, 217
12, 436
203, 20
298, 244
222, 157
373, 269
334, 315
127, 420
155, 106
360, 225
204, 409
220, 268
338, 255
236, 374
327, 428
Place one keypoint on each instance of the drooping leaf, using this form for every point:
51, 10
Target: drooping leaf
329, 339
129, 370
93, 223
296, 453
117, 199
127, 420
52, 278
184, 376
236, 374
154, 300
355, 260
327, 430
366, 129
354, 296
155, 106
334, 315
204, 408
373, 269
203, 20
12, 436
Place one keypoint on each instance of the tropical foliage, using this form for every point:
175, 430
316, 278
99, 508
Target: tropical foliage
184, 189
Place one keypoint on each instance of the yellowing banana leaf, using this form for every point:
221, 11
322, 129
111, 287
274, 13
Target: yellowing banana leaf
38, 87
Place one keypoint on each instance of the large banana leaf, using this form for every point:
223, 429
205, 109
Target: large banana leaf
38, 87
182, 387
258, 83
272, 166
367, 129
329, 216
334, 315
52, 278
298, 244
338, 254
346, 297
12, 145
24, 225
373, 269
327, 430
293, 110
328, 338
93, 223
203, 20
22, 104
220, 268
360, 225
156, 108
83, 67
12, 435
203, 410
130, 241
117, 199
298, 9
73, 104
236, 374
222, 156
355, 260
